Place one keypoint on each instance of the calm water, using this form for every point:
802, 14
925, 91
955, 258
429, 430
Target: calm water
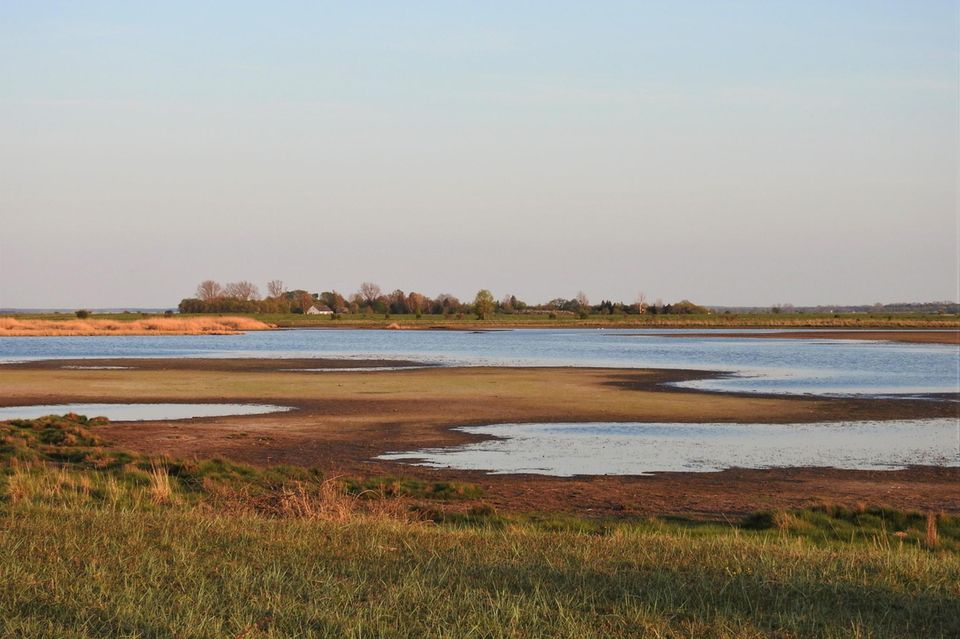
643, 448
793, 366
138, 412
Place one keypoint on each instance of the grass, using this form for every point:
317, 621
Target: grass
543, 320
82, 571
101, 543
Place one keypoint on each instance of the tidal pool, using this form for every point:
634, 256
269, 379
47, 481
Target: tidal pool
139, 412
644, 448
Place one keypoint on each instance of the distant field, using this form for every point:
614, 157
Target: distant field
469, 321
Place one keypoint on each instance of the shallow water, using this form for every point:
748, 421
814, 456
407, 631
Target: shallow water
644, 448
790, 366
138, 412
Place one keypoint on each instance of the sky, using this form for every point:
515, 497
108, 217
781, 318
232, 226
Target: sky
731, 153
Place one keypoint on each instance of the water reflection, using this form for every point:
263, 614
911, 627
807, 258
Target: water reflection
643, 448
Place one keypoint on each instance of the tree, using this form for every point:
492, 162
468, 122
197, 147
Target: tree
242, 290
370, 293
446, 304
416, 302
275, 288
583, 305
397, 302
641, 303
192, 305
483, 303
209, 290
334, 300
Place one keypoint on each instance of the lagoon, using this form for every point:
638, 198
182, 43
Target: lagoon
756, 365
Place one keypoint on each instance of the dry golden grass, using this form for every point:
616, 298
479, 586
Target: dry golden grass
10, 326
161, 488
932, 537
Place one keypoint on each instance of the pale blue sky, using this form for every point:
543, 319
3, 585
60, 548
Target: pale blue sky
726, 152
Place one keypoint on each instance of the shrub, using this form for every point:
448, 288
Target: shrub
83, 313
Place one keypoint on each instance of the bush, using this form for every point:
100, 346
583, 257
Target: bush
83, 313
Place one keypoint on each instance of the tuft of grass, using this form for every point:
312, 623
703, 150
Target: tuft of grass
932, 538
161, 488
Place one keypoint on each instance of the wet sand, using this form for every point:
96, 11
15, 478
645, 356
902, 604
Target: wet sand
912, 337
344, 419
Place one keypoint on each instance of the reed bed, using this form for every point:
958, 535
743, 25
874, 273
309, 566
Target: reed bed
16, 327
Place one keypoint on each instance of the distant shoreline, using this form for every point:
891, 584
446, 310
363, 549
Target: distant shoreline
906, 328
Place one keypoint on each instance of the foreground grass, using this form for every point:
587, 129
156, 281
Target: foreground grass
100, 543
99, 572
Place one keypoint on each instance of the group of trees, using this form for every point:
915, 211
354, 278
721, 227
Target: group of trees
244, 297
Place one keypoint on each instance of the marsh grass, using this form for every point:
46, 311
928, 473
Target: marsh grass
89, 550
20, 327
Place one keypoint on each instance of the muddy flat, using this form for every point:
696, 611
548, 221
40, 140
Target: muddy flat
912, 337
344, 419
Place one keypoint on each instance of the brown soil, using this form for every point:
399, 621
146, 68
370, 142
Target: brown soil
345, 419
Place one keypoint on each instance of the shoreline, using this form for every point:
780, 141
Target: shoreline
901, 334
345, 419
929, 336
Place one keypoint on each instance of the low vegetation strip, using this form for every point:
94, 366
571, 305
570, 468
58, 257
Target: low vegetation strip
16, 327
100, 543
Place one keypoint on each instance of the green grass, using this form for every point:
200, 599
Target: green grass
82, 571
104, 545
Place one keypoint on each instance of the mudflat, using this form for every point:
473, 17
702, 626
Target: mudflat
345, 418
913, 337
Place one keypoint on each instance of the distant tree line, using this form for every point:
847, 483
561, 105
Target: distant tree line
919, 308
369, 299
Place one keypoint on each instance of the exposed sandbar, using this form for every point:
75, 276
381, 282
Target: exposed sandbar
345, 419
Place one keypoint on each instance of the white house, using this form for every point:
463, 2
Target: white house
323, 309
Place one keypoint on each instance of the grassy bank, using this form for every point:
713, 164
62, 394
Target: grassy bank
544, 320
127, 325
101, 543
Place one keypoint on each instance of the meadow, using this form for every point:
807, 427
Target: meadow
99, 542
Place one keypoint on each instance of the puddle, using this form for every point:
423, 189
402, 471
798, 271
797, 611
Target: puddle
139, 412
645, 448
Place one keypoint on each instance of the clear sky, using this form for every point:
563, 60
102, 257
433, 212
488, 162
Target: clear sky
727, 152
